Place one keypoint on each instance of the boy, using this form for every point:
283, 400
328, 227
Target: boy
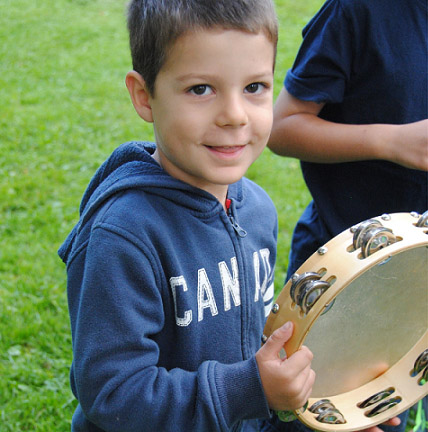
170, 268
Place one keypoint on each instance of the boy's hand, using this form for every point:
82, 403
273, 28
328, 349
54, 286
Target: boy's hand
288, 382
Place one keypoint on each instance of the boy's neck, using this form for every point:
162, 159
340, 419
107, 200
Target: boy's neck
225, 202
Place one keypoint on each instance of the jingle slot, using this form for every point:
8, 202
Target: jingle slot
383, 406
331, 280
420, 363
322, 271
374, 399
350, 249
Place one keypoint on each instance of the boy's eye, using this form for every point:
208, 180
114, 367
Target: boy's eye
201, 90
254, 88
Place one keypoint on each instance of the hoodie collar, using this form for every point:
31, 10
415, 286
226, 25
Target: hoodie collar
132, 166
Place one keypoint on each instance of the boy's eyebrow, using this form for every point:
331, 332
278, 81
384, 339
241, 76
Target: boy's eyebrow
207, 76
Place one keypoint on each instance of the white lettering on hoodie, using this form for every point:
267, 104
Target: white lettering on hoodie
230, 285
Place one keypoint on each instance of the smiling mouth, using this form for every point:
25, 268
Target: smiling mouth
226, 149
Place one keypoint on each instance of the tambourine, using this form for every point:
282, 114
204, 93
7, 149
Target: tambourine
360, 304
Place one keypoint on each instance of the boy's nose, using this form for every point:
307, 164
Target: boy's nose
232, 111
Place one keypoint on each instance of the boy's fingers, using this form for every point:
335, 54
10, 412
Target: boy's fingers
303, 383
299, 361
309, 384
277, 339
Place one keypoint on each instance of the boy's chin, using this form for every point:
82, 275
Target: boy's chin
229, 176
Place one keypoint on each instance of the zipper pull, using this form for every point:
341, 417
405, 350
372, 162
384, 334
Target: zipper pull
240, 231
229, 210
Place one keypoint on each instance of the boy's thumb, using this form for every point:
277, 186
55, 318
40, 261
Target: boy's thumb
277, 339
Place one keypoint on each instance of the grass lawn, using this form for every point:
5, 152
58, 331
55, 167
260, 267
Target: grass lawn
64, 107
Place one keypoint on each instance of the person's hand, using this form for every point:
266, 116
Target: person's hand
287, 382
395, 421
409, 145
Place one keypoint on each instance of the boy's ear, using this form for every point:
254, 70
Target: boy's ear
139, 95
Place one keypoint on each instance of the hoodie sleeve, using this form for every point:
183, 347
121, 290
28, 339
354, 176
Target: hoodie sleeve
116, 309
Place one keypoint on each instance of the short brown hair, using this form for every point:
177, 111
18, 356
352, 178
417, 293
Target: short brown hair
154, 25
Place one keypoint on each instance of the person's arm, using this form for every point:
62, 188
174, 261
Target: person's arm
298, 132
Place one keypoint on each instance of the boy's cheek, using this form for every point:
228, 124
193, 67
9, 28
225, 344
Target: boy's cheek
265, 122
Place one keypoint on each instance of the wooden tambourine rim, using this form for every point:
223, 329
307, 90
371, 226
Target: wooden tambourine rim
336, 259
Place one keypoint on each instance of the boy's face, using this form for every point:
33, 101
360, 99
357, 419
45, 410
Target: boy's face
212, 109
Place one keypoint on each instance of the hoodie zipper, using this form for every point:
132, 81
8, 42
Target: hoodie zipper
238, 229
241, 252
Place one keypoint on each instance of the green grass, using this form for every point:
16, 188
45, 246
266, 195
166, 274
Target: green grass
63, 108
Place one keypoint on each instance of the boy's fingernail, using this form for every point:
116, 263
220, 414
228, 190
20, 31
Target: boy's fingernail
287, 325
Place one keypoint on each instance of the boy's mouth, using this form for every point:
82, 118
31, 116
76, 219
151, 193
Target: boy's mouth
226, 149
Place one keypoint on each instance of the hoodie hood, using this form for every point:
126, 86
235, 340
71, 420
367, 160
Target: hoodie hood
131, 166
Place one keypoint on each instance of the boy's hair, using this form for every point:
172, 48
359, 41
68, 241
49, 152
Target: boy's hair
154, 25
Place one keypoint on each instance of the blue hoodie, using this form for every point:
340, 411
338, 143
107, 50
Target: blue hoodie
167, 298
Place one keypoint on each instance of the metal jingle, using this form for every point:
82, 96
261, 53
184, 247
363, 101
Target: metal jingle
298, 280
376, 239
376, 398
423, 220
424, 378
361, 228
383, 406
331, 416
420, 362
320, 406
310, 292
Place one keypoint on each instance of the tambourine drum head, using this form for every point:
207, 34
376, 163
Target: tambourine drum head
372, 323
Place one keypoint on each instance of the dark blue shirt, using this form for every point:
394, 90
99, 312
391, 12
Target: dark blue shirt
367, 61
